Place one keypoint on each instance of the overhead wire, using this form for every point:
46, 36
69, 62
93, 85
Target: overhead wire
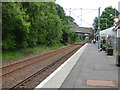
81, 8
92, 10
82, 19
84, 13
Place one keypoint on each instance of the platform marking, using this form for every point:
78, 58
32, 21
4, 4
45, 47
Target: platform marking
59, 68
105, 83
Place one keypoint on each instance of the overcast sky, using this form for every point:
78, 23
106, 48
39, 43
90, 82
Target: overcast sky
85, 17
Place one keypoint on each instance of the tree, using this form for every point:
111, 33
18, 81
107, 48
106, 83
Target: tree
106, 15
27, 24
38, 22
15, 26
68, 36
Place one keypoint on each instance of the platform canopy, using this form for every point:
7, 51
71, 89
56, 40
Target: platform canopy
108, 32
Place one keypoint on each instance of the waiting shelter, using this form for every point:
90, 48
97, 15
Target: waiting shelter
109, 35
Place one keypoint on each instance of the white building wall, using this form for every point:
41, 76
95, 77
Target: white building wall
118, 31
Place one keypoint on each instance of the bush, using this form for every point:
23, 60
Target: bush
118, 54
110, 47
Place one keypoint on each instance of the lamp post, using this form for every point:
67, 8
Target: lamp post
98, 27
94, 29
115, 41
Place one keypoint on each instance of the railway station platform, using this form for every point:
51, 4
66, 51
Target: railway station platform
87, 68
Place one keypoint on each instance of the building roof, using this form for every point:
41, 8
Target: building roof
108, 32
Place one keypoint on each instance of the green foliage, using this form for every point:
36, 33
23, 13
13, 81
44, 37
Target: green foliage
57, 46
87, 39
11, 54
105, 44
106, 15
110, 47
80, 36
15, 26
60, 12
68, 36
103, 37
101, 43
118, 54
16, 54
30, 24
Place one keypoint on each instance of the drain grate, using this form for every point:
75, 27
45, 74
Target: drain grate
107, 83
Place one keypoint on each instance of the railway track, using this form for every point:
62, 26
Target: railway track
18, 65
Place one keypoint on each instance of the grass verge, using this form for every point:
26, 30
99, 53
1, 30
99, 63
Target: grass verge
16, 54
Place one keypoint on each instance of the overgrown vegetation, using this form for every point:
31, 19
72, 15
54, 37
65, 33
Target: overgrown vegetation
16, 54
32, 24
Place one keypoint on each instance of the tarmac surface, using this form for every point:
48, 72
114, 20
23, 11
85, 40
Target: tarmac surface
87, 68
92, 65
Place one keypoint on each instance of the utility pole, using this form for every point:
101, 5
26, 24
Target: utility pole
94, 29
115, 33
98, 27
115, 13
81, 16
70, 14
